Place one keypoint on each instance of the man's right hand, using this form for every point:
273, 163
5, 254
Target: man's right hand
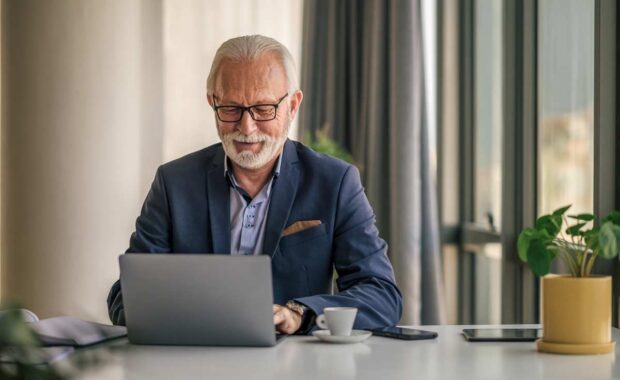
286, 320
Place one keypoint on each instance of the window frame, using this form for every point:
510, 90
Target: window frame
520, 288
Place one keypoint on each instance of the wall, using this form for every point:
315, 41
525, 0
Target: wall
97, 94
1, 143
82, 138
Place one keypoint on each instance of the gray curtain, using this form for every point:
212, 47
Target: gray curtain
362, 77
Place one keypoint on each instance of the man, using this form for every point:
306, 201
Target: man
259, 193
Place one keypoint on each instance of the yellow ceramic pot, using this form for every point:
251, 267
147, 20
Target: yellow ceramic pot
576, 315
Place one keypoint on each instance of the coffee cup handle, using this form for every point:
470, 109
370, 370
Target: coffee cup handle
322, 322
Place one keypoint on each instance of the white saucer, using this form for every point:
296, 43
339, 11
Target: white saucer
356, 336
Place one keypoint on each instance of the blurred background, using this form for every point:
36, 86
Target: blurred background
467, 119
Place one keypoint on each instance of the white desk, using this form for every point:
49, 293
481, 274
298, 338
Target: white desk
447, 357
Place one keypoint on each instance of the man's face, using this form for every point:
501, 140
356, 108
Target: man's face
249, 143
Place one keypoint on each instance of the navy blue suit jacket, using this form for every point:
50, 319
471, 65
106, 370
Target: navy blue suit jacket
188, 211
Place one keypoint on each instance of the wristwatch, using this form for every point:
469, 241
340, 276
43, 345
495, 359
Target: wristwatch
297, 308
307, 316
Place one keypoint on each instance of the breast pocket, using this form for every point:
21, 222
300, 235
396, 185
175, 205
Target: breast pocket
302, 264
304, 236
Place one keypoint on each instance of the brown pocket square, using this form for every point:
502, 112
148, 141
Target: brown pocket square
300, 226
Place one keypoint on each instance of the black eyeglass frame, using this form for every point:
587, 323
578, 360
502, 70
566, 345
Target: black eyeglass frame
248, 109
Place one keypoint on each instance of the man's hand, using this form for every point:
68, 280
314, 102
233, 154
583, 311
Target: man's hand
286, 320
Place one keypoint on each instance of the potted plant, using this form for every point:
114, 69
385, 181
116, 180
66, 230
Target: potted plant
576, 315
322, 143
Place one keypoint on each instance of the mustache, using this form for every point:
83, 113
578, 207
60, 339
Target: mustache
253, 138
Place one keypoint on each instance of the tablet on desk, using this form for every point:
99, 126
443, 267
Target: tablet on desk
502, 335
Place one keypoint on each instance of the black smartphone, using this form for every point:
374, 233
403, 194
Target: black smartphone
502, 335
404, 333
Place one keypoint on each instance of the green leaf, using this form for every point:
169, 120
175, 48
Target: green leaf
591, 238
584, 217
574, 230
14, 331
561, 210
322, 143
539, 258
609, 238
552, 224
524, 242
613, 217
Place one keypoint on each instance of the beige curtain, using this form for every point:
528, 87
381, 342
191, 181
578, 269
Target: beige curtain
96, 95
193, 30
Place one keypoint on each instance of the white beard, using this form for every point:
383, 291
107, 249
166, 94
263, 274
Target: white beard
248, 159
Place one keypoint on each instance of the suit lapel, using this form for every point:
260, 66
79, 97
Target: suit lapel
282, 197
218, 194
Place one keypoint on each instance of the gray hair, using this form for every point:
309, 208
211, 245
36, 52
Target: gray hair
249, 48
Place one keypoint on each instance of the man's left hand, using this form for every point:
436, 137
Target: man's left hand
286, 320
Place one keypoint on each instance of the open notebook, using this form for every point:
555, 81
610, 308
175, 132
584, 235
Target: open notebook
61, 335
71, 331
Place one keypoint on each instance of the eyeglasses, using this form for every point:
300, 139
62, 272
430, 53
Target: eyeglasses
258, 112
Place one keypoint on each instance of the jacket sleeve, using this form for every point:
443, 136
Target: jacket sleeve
365, 275
152, 235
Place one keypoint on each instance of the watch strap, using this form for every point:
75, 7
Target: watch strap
307, 316
297, 307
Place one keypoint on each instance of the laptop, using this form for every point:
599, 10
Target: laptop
198, 299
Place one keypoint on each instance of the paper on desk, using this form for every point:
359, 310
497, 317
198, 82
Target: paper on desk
71, 331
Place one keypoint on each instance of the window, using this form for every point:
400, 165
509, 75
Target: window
565, 105
530, 127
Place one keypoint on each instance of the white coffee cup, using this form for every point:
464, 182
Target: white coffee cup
338, 320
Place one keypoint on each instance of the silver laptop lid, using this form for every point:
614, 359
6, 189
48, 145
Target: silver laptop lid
199, 299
